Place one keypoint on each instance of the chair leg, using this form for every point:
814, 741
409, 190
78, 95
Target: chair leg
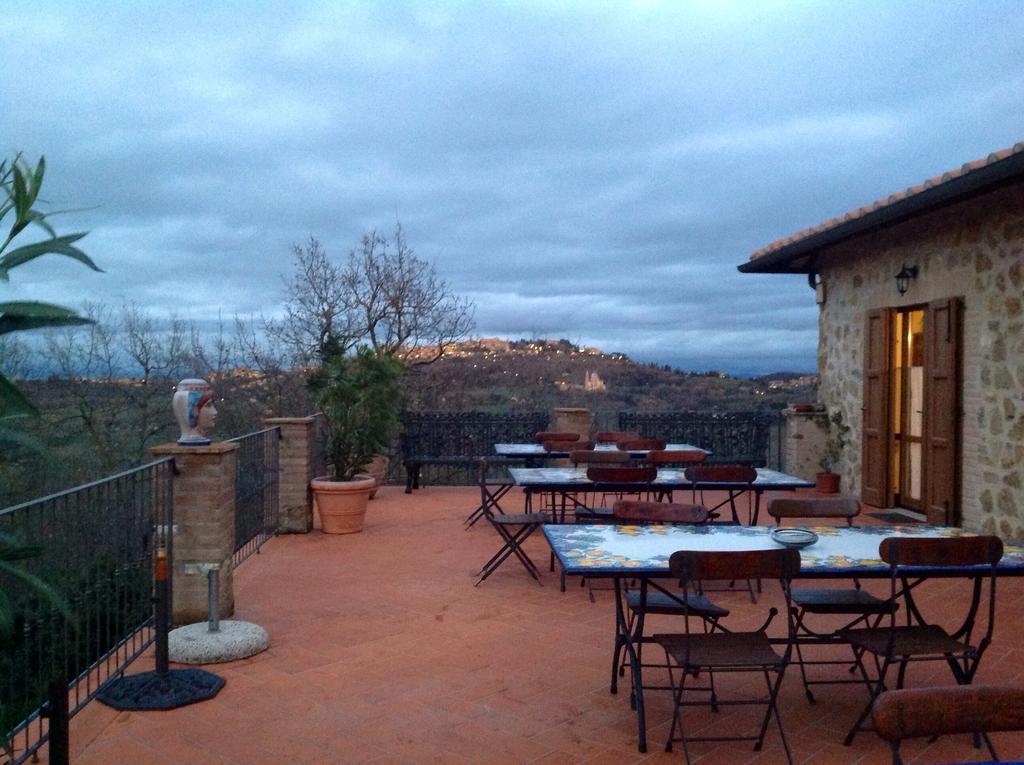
875, 693
773, 709
513, 542
895, 747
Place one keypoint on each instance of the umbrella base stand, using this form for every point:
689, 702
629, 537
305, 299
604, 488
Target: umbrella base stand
156, 690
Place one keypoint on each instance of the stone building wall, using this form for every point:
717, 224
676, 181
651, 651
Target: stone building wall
975, 251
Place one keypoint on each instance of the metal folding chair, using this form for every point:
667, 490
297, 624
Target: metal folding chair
706, 476
513, 529
651, 598
975, 709
862, 608
911, 560
719, 651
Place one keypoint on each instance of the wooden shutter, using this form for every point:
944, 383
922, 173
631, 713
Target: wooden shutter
940, 457
875, 410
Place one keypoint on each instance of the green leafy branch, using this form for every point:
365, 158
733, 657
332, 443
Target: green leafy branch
21, 184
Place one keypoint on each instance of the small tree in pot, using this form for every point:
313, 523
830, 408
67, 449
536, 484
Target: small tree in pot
360, 398
827, 481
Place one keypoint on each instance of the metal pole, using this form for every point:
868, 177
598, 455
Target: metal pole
163, 608
57, 713
213, 588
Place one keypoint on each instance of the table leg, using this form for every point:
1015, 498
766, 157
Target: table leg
624, 639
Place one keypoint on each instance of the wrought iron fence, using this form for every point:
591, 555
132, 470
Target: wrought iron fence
97, 544
460, 434
747, 437
256, 490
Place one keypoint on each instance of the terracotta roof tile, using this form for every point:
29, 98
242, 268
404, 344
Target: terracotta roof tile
898, 196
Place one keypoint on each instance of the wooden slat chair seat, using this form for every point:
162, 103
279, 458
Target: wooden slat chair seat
972, 558
937, 711
716, 652
863, 608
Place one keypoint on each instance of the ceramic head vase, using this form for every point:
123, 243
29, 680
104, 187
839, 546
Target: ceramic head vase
195, 411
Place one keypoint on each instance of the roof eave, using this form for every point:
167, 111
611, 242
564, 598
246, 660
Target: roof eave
798, 257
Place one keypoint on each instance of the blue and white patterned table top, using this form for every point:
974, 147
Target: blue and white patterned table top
667, 477
537, 450
611, 550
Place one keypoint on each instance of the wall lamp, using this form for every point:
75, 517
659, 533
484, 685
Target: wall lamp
903, 278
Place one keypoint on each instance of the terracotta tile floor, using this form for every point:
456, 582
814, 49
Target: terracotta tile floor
383, 651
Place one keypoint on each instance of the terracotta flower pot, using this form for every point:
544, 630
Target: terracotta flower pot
342, 504
827, 483
378, 468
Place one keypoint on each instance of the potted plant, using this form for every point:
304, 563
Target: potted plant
827, 481
360, 398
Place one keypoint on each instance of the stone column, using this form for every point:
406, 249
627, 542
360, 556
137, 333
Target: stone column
204, 523
804, 442
572, 420
296, 465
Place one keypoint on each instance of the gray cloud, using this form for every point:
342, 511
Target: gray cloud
585, 170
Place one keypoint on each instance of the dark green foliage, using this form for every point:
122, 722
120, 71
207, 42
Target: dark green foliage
360, 397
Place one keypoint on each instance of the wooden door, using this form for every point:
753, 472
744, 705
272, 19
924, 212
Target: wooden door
942, 412
875, 411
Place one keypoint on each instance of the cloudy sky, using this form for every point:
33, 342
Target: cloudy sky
594, 171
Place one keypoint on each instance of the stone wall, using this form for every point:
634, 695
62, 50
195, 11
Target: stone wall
973, 250
804, 440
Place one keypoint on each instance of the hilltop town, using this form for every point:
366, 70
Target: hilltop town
492, 374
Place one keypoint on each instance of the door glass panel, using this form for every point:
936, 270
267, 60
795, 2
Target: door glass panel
914, 470
907, 424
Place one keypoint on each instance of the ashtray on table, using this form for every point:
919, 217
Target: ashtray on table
795, 538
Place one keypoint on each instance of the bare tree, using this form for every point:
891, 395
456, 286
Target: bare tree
384, 296
317, 310
116, 375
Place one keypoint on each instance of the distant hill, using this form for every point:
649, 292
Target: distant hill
491, 374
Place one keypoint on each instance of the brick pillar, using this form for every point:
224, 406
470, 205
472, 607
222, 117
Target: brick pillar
571, 420
296, 458
204, 521
804, 442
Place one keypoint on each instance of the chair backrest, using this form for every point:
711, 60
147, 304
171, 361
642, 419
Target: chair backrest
696, 566
644, 474
937, 711
555, 435
941, 551
641, 444
605, 456
567, 446
636, 511
814, 507
614, 436
676, 457
720, 473
977, 556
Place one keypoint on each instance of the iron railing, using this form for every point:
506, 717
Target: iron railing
97, 547
747, 437
256, 490
460, 434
